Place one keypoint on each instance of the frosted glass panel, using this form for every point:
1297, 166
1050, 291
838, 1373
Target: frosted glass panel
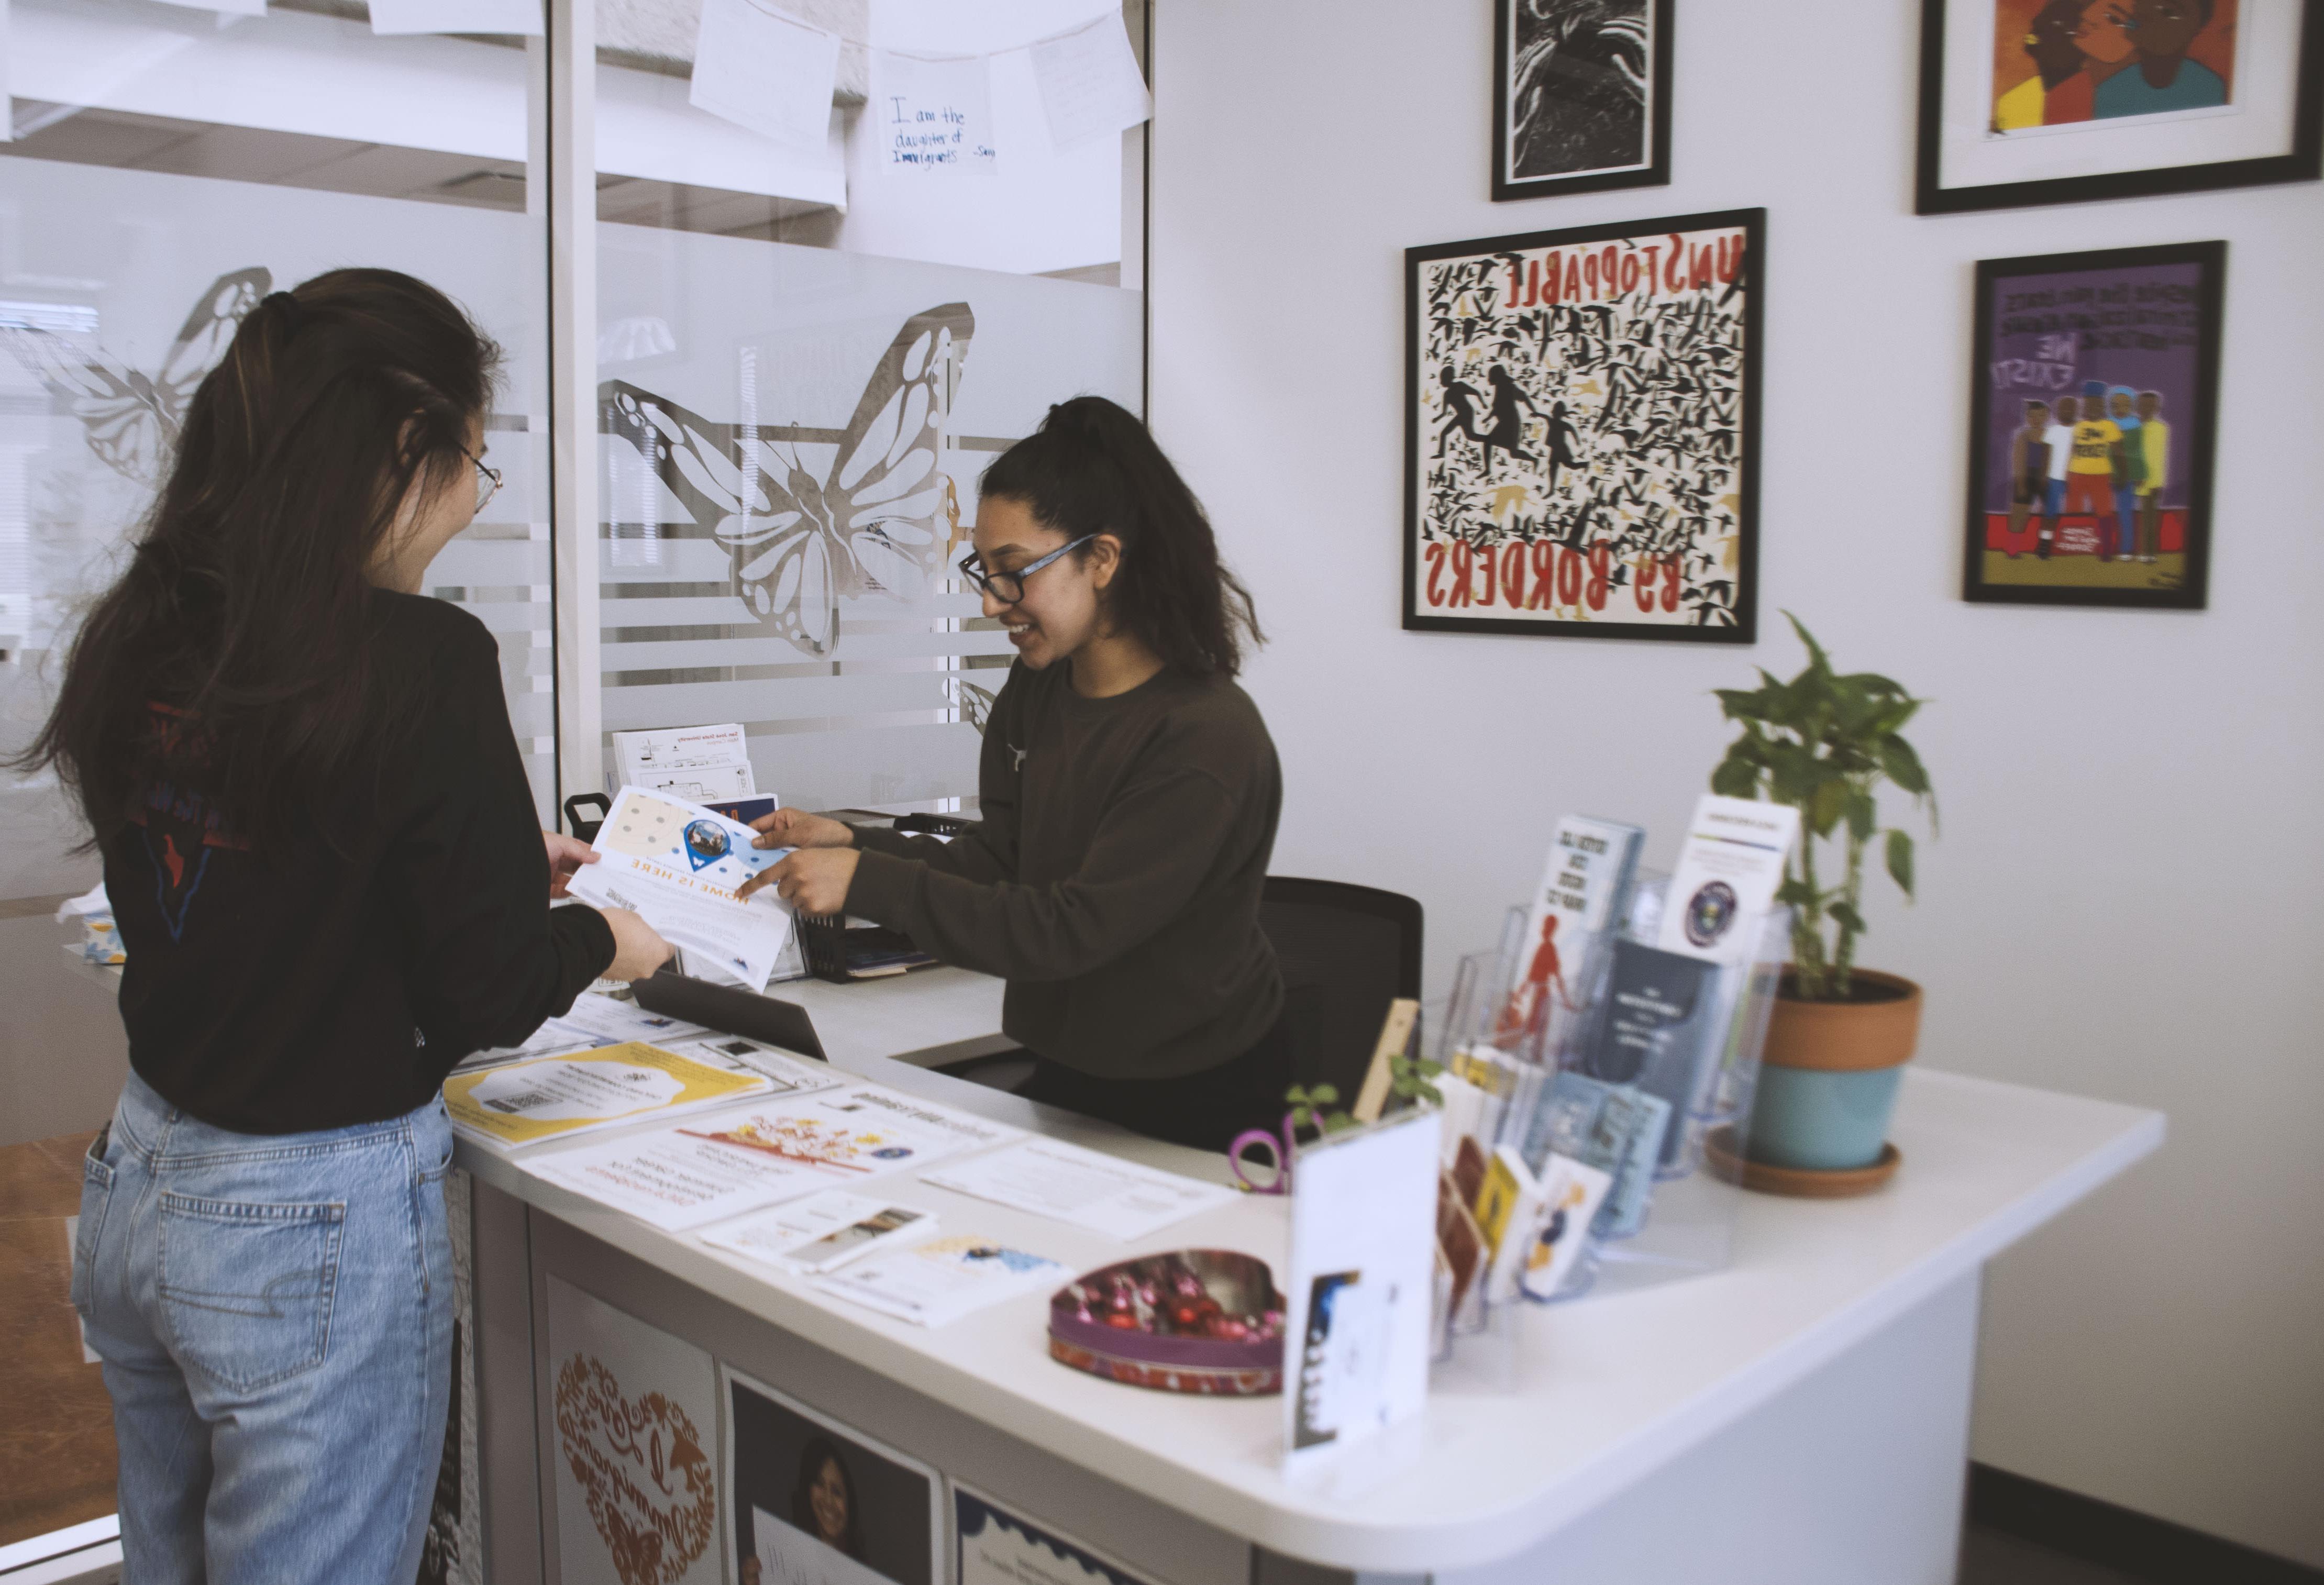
133, 236
791, 441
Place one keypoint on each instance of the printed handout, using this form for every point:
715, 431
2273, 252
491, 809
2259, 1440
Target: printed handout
704, 763
550, 1097
853, 1133
1049, 1177
821, 1232
944, 1279
679, 866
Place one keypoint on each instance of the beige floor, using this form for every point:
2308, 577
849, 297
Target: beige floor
62, 1053
56, 1440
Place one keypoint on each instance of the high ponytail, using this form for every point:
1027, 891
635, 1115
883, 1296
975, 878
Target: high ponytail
234, 652
1092, 468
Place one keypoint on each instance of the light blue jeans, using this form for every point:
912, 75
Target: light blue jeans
274, 1312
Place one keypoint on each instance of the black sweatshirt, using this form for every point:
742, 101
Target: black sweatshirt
1115, 878
303, 989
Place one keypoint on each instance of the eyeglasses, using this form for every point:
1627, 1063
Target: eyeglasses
488, 480
1009, 587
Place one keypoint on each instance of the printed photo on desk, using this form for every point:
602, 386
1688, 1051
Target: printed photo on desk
996, 1546
2028, 102
814, 1502
2093, 419
635, 1411
1582, 431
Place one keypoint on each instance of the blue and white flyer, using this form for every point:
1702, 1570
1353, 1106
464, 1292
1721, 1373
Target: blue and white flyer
997, 1547
678, 866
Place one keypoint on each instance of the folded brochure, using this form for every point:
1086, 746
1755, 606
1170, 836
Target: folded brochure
678, 866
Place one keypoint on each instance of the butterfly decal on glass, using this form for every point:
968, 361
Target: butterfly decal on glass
802, 536
131, 417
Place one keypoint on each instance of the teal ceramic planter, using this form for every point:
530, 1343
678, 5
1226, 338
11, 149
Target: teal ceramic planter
1817, 1120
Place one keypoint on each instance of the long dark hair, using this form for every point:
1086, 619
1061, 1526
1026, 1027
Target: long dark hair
818, 1451
1092, 468
236, 648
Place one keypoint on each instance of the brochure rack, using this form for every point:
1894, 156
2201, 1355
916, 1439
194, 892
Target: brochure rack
1642, 1033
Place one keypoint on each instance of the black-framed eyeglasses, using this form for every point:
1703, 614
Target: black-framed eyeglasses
488, 480
1009, 587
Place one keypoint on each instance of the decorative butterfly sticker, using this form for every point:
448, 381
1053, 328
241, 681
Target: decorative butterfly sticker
132, 418
802, 538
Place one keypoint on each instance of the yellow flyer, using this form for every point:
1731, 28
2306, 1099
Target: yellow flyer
548, 1097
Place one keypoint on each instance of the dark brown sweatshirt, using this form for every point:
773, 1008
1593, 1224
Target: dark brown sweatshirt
1115, 878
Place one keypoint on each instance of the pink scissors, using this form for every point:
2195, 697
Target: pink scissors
1278, 1150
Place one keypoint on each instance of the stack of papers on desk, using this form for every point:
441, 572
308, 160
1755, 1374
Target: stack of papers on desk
593, 1020
781, 1148
944, 1279
1103, 1193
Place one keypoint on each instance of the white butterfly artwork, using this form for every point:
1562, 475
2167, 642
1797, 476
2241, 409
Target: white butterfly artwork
131, 417
812, 517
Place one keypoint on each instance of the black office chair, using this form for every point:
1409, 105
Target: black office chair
1347, 951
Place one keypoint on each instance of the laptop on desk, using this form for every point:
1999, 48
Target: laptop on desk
731, 1007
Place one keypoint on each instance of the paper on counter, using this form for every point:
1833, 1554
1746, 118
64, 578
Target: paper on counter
944, 1279
786, 1236
678, 865
854, 1133
1050, 1177
771, 73
1090, 86
551, 1097
613, 1021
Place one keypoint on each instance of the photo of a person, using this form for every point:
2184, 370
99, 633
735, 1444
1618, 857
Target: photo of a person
812, 1502
2155, 455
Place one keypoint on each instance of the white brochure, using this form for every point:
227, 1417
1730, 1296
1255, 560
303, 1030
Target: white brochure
944, 1279
821, 1232
703, 764
1049, 1177
1729, 869
678, 865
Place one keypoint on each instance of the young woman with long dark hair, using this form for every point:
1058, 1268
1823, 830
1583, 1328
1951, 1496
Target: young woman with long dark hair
324, 866
1130, 794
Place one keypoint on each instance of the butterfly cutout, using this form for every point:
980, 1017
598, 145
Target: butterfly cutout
132, 419
802, 538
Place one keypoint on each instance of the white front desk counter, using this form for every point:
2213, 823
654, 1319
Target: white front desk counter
1800, 1418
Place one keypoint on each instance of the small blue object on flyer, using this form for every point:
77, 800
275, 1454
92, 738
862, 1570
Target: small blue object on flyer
997, 1547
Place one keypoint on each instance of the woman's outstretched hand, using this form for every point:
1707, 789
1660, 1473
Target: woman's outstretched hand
796, 828
814, 880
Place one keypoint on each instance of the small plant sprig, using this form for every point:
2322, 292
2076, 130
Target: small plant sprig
1409, 1081
1823, 743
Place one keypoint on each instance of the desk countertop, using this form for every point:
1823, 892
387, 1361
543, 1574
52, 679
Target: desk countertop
1608, 1389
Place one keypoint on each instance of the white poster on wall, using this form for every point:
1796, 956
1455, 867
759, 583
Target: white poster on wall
636, 1448
761, 69
1090, 86
456, 16
932, 114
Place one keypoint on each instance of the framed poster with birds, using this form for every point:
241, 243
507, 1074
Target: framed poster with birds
1582, 431
1581, 95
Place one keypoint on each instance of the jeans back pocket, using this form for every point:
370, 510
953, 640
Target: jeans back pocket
245, 1288
96, 1197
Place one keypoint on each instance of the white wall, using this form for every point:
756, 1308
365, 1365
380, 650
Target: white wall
2129, 889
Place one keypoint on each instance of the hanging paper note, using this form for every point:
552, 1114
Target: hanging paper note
758, 69
933, 114
456, 16
224, 7
1090, 82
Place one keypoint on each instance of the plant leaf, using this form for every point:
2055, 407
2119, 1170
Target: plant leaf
1900, 860
1903, 765
1735, 778
1848, 916
1817, 659
1863, 815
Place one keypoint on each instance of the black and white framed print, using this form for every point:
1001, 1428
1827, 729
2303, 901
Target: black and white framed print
1582, 431
1581, 95
2026, 102
2093, 421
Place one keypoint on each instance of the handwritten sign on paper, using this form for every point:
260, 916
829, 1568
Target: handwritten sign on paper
764, 70
1090, 86
933, 114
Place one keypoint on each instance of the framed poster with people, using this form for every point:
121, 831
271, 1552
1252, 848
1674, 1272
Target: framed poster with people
1581, 95
814, 1502
2028, 102
1582, 431
2095, 379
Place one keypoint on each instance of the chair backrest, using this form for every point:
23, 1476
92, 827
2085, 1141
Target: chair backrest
1347, 951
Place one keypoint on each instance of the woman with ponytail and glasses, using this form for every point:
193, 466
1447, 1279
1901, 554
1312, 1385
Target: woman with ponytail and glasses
1129, 795
326, 871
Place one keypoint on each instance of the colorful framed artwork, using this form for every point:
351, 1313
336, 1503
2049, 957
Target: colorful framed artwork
2026, 102
2092, 428
1581, 95
1582, 431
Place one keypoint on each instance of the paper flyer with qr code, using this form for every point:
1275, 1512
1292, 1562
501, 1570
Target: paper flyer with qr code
551, 1097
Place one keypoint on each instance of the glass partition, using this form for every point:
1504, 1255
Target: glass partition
170, 167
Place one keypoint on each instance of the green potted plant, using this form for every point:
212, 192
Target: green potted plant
1825, 743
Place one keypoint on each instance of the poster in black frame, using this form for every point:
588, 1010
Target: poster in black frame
1608, 486
2066, 509
1581, 95
2112, 157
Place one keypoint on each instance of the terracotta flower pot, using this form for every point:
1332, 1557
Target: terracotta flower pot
1830, 1076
